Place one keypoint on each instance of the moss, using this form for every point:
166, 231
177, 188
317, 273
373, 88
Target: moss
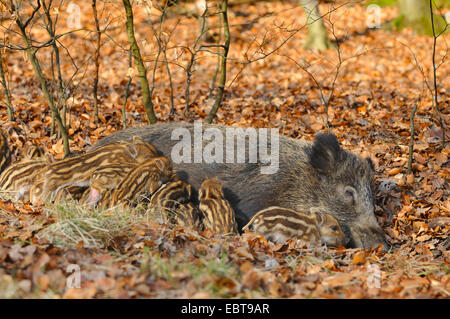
439, 4
421, 26
382, 3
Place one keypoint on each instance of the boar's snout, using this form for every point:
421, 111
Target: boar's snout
368, 236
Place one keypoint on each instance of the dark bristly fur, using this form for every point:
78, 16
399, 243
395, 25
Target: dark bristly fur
311, 174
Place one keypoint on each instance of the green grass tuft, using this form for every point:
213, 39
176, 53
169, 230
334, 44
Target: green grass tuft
95, 228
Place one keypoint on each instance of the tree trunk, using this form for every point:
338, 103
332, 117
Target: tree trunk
146, 98
416, 14
317, 33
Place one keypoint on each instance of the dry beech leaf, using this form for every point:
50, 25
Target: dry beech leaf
359, 258
244, 252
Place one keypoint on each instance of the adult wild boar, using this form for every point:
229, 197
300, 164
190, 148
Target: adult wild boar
306, 174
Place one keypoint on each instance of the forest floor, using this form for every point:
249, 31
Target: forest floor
132, 255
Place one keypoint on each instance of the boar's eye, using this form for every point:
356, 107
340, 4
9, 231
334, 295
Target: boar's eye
334, 228
350, 193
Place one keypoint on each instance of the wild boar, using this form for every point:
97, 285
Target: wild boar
307, 174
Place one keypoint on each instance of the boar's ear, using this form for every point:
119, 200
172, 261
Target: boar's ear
325, 153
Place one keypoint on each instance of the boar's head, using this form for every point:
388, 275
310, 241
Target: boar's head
345, 187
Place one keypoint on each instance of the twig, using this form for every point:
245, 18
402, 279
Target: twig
214, 78
161, 48
96, 59
50, 27
127, 89
169, 74
435, 101
6, 90
223, 68
191, 65
411, 140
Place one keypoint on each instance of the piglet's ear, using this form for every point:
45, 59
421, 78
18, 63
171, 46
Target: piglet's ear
316, 211
201, 193
132, 149
138, 140
49, 158
325, 153
161, 164
320, 218
189, 191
